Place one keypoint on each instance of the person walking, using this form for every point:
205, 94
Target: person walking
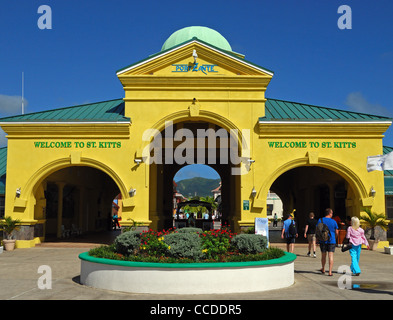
275, 219
327, 247
309, 233
290, 231
355, 235
116, 223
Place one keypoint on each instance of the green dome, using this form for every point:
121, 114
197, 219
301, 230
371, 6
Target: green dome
202, 33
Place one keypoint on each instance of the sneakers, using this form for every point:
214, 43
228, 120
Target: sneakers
309, 255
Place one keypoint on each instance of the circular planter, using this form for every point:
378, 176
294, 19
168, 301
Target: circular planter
187, 278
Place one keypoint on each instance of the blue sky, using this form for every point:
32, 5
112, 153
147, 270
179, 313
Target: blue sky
314, 61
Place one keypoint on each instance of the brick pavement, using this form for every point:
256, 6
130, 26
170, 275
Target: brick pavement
19, 277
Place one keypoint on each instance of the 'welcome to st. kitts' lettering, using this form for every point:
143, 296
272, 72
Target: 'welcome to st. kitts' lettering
76, 144
312, 144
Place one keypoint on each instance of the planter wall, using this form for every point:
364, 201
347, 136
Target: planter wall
190, 278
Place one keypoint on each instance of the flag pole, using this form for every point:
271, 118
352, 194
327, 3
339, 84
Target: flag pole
23, 106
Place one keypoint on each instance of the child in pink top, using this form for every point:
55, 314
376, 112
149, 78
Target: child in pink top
355, 234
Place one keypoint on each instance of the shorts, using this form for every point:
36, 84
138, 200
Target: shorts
329, 247
290, 240
311, 237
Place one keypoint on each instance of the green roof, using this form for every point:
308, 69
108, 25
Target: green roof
3, 169
106, 111
388, 185
293, 111
202, 33
388, 174
3, 161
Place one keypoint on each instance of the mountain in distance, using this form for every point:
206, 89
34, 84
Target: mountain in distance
201, 186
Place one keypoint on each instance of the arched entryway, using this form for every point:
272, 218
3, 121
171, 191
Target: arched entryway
74, 200
191, 142
313, 189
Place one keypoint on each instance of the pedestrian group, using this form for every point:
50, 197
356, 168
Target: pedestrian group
325, 232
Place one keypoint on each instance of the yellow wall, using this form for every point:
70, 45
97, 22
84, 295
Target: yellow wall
233, 98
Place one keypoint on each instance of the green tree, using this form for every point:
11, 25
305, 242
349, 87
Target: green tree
371, 220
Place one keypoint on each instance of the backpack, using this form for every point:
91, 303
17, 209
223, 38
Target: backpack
322, 232
292, 230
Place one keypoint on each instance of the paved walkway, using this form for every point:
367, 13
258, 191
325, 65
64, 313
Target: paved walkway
19, 277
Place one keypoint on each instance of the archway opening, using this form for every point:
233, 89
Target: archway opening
193, 143
78, 202
313, 189
197, 197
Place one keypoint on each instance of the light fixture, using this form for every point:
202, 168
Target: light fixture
132, 192
373, 192
18, 192
250, 161
253, 192
138, 161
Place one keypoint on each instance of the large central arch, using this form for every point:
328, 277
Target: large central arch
161, 175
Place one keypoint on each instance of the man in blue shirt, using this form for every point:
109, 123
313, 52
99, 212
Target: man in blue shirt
290, 238
329, 245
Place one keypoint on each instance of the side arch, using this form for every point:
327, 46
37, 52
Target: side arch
65, 162
350, 176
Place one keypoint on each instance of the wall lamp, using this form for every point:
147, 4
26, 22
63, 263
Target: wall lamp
132, 192
250, 161
18, 192
373, 192
138, 161
253, 192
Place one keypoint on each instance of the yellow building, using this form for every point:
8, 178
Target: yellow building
195, 101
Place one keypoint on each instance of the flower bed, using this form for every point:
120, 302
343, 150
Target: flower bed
187, 262
187, 245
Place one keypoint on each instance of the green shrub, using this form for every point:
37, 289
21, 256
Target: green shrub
249, 243
128, 242
184, 245
189, 230
105, 252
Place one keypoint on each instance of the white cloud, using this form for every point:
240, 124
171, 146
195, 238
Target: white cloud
11, 105
357, 102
